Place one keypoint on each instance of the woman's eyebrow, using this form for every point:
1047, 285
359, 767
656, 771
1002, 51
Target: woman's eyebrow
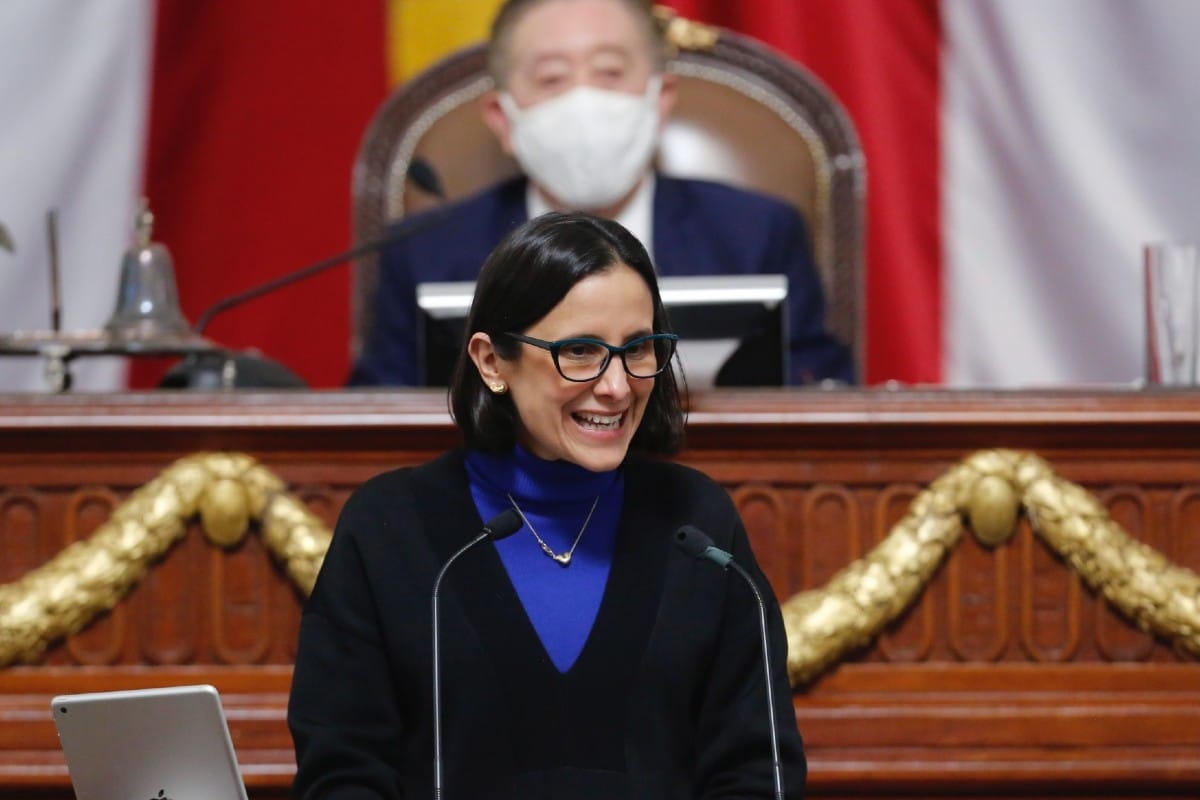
596, 337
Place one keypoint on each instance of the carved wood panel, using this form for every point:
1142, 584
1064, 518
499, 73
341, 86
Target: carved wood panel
1007, 677
1019, 602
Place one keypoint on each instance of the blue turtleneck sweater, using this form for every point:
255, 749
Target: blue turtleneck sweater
555, 496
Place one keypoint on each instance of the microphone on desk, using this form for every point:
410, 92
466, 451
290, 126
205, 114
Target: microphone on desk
225, 369
697, 544
425, 178
504, 524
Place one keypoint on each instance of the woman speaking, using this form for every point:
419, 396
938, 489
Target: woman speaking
585, 655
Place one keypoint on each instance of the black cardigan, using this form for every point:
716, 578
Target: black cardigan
665, 701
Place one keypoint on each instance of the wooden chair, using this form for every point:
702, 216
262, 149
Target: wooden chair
746, 115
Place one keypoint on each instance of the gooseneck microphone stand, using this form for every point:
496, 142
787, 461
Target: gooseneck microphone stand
697, 544
504, 524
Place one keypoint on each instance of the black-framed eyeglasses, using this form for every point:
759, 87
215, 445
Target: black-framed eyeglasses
583, 359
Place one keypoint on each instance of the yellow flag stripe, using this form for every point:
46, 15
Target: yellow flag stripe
422, 31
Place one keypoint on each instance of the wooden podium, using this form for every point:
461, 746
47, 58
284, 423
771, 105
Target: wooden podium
1006, 678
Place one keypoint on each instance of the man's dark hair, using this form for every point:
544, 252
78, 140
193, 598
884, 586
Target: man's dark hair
511, 12
525, 277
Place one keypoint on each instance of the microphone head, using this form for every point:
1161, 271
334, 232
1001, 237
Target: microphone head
503, 525
693, 541
421, 173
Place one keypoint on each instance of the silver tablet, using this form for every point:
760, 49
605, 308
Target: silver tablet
148, 744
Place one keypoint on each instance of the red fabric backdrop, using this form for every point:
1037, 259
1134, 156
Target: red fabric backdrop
258, 107
256, 113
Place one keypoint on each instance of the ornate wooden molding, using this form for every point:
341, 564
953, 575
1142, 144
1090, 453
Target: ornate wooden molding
986, 491
89, 577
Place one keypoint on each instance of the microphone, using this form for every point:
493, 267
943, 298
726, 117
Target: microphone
425, 178
304, 273
503, 525
226, 370
697, 544
420, 172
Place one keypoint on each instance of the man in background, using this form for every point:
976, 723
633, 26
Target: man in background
580, 101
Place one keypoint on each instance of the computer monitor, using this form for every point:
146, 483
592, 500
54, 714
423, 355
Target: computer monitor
732, 328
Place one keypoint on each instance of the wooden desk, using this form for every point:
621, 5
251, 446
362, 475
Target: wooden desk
1007, 677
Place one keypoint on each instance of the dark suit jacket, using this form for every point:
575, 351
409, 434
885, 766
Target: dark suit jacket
666, 701
700, 228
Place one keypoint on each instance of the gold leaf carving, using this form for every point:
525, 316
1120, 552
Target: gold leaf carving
989, 488
90, 577
229, 491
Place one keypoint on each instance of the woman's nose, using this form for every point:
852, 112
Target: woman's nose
614, 381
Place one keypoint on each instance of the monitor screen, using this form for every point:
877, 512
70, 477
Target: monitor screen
732, 328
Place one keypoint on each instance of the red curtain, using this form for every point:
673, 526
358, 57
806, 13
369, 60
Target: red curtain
257, 109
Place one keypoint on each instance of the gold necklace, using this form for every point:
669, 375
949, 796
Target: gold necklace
561, 558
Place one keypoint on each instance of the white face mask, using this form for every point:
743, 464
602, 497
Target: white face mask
587, 147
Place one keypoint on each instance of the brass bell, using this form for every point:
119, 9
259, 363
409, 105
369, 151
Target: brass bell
147, 309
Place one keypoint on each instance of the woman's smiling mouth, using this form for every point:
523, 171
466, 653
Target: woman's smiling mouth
598, 422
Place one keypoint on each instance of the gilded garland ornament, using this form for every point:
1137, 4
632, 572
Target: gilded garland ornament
990, 488
89, 577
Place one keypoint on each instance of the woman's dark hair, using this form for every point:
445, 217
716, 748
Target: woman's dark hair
525, 277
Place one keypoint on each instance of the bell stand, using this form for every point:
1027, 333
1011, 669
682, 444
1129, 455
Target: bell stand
160, 332
59, 349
